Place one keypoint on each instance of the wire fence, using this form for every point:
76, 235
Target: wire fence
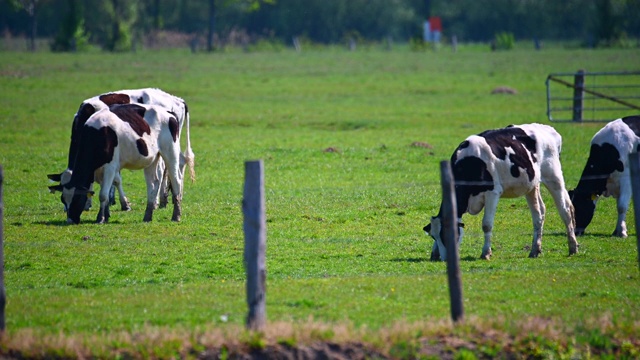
592, 96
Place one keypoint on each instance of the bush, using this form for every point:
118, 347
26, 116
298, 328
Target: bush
503, 41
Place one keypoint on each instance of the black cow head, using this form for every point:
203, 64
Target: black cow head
76, 200
584, 204
434, 229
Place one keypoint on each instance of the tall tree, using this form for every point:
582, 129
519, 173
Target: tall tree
212, 24
31, 7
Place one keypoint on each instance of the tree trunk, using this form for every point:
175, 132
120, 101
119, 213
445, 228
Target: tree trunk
427, 9
156, 15
33, 25
212, 22
115, 29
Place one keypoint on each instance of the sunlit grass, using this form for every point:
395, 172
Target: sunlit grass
347, 193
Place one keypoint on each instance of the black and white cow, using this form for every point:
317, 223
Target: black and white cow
130, 136
607, 172
508, 162
149, 96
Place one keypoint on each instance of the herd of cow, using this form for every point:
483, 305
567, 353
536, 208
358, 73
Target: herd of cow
140, 129
514, 161
127, 129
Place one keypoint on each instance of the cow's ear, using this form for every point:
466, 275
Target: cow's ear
54, 188
54, 177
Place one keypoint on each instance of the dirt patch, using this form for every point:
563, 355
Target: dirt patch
315, 351
504, 90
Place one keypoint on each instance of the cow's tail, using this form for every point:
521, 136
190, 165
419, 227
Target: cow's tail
189, 156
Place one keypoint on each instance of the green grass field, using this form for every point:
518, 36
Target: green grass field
345, 241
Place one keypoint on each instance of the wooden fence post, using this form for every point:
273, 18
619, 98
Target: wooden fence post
3, 295
578, 95
449, 237
255, 239
634, 164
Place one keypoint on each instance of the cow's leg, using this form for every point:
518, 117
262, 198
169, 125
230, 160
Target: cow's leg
87, 205
112, 195
537, 208
172, 163
490, 207
565, 209
435, 252
163, 198
105, 187
623, 206
153, 186
124, 202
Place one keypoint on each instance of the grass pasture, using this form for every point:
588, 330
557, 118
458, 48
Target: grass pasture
351, 143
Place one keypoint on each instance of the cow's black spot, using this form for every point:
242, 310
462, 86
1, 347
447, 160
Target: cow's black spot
174, 128
82, 115
132, 114
603, 160
633, 122
142, 147
463, 145
115, 98
141, 100
471, 178
186, 109
523, 146
96, 148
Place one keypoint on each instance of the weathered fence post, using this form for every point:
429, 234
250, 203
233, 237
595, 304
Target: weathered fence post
578, 95
634, 163
449, 237
3, 295
255, 239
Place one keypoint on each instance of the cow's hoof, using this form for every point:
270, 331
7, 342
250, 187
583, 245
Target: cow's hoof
534, 254
175, 218
125, 207
485, 257
620, 234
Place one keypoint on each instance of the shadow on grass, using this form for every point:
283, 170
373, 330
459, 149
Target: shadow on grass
64, 223
420, 260
51, 223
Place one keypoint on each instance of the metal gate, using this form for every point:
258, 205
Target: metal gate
592, 96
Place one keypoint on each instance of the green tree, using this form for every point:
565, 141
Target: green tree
31, 7
72, 35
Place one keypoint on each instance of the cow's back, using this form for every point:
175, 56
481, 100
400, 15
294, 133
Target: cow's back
512, 155
623, 134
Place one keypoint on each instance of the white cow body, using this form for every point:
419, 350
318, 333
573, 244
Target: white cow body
132, 137
509, 162
607, 173
149, 96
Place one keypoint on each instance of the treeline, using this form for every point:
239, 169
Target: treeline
119, 24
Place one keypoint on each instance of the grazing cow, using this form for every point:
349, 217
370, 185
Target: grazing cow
150, 96
130, 136
509, 162
607, 172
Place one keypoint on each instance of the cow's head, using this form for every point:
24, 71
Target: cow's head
584, 205
64, 177
434, 229
76, 199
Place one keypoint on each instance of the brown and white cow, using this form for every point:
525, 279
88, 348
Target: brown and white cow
508, 162
130, 136
606, 172
149, 96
